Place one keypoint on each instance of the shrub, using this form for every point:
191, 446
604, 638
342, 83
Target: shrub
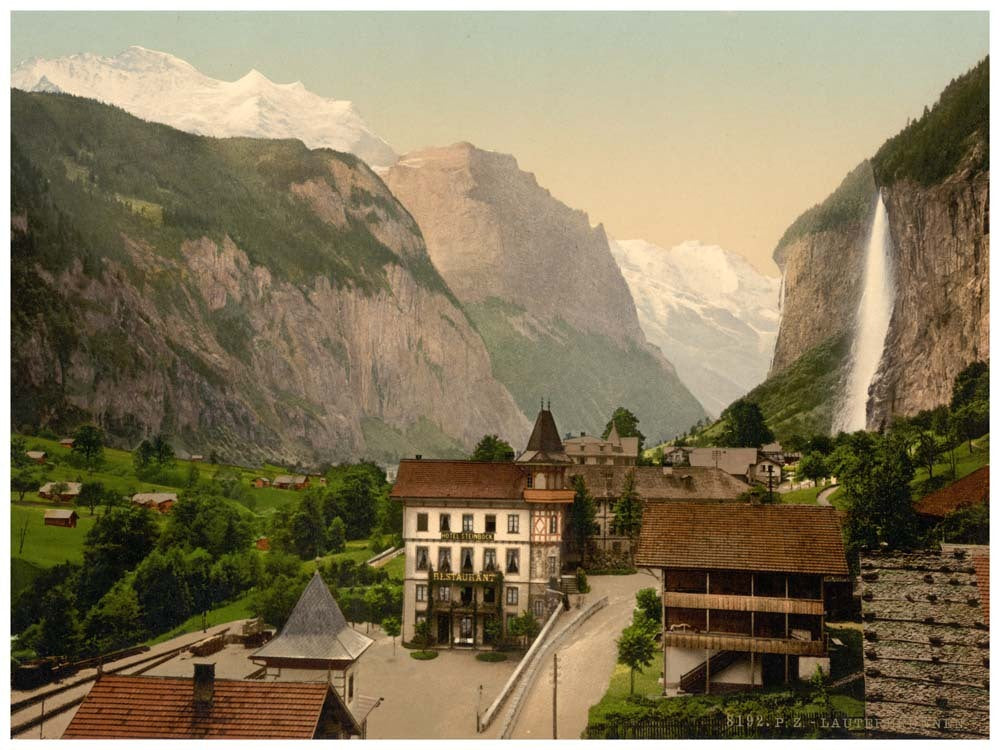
424, 655
491, 656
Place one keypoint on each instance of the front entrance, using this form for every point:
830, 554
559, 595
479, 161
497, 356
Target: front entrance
444, 629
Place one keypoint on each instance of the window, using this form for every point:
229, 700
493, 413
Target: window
553, 525
531, 481
421, 522
421, 592
467, 566
539, 608
513, 522
491, 524
444, 559
350, 688
467, 524
512, 561
489, 560
465, 627
444, 594
512, 595
552, 566
466, 594
422, 558
444, 522
489, 595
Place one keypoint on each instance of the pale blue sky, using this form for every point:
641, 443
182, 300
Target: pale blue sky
720, 127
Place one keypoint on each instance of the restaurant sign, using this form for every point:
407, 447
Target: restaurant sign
466, 577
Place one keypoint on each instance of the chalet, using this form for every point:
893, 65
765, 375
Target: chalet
484, 541
966, 492
197, 457
677, 456
744, 591
766, 471
39, 457
926, 642
161, 502
652, 483
132, 707
593, 451
56, 517
68, 490
317, 637
67, 442
290, 482
738, 462
259, 482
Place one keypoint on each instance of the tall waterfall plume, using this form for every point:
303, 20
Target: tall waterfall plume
871, 324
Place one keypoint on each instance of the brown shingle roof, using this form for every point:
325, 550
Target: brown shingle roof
738, 536
469, 480
545, 435
129, 707
970, 490
657, 483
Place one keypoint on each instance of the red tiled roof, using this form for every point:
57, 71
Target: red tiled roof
128, 707
981, 562
469, 480
737, 536
967, 491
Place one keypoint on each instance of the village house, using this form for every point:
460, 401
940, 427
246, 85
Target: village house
652, 483
58, 517
744, 590
39, 457
483, 540
747, 464
161, 502
927, 643
66, 490
317, 636
290, 482
197, 457
593, 451
677, 456
131, 707
259, 482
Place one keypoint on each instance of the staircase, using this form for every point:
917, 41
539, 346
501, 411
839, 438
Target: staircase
694, 680
568, 585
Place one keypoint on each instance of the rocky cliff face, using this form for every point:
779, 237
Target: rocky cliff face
543, 289
151, 327
934, 179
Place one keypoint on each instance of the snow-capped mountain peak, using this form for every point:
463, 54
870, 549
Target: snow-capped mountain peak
160, 87
711, 313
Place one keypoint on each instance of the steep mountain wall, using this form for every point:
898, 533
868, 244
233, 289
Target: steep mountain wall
934, 179
247, 296
542, 287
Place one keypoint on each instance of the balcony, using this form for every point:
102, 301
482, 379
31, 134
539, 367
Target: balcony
736, 603
745, 643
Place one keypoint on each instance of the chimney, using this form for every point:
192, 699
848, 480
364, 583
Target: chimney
583, 433
204, 686
419, 456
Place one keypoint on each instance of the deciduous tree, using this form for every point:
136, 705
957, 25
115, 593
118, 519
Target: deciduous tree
88, 442
492, 448
636, 648
627, 425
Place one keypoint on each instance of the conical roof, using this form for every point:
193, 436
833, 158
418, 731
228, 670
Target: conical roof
544, 445
316, 630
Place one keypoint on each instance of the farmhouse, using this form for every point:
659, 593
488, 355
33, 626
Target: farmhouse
161, 502
57, 517
290, 482
132, 707
926, 642
259, 482
593, 451
317, 637
39, 457
483, 540
59, 490
744, 590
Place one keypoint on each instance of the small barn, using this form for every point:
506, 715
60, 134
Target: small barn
39, 457
260, 482
53, 490
161, 502
197, 457
67, 442
263, 543
57, 517
290, 482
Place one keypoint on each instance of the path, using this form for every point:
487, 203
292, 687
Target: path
823, 498
586, 663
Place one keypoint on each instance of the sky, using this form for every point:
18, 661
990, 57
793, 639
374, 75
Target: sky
669, 126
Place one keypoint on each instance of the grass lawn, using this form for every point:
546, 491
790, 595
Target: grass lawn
806, 496
357, 550
45, 546
235, 610
396, 568
614, 700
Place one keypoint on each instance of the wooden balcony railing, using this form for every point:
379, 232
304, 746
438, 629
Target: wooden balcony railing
737, 642
736, 603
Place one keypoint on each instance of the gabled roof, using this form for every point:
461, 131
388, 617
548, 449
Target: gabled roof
316, 630
60, 514
72, 488
736, 461
659, 483
742, 536
288, 479
154, 498
970, 490
926, 643
133, 707
467, 480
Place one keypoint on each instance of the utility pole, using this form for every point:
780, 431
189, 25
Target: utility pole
555, 693
479, 714
770, 480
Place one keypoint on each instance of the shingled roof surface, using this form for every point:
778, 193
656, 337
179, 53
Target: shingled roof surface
468, 480
969, 490
657, 483
742, 536
130, 707
926, 645
316, 630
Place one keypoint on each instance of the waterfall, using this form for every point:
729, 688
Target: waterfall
871, 324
